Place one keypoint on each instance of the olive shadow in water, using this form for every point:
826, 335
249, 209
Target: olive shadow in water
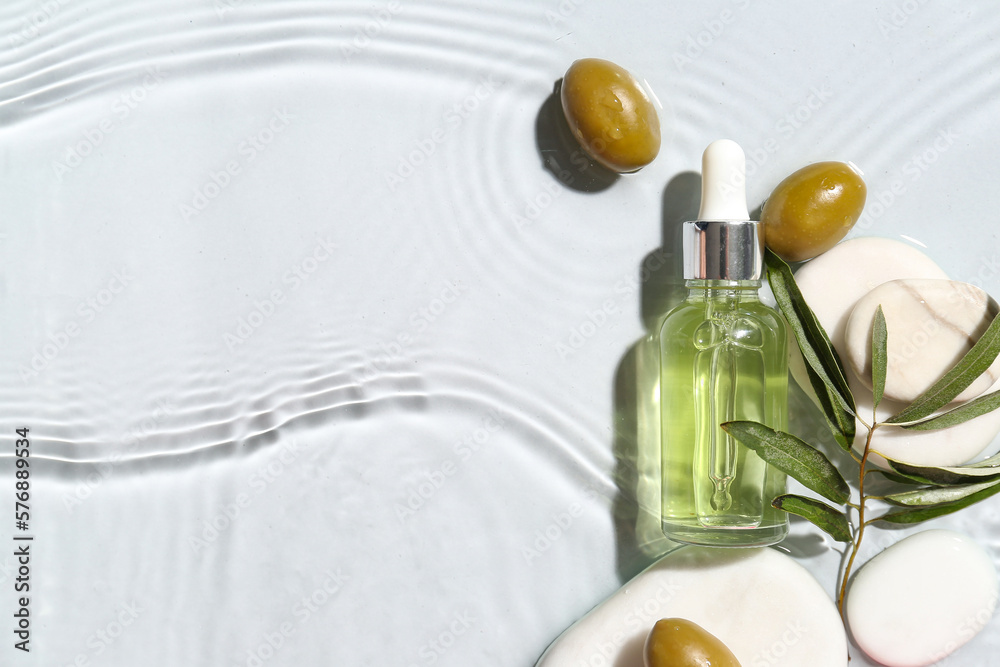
636, 444
561, 153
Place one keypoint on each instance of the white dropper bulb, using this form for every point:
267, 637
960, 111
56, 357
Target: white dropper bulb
723, 182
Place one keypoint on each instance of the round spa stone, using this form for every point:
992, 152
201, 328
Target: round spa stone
931, 324
764, 606
922, 598
832, 284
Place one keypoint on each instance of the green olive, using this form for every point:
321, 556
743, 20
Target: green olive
813, 209
677, 642
610, 115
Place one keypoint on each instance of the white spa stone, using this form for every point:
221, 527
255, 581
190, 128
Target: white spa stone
922, 598
760, 603
931, 324
832, 284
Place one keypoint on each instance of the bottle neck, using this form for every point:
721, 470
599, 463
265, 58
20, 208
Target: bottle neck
742, 285
736, 291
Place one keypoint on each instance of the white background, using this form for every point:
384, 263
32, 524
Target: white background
295, 312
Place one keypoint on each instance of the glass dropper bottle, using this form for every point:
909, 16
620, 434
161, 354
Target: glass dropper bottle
723, 357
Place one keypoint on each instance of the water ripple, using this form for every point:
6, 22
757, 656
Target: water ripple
82, 50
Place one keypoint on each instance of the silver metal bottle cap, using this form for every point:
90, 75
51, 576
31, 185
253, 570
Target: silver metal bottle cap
723, 250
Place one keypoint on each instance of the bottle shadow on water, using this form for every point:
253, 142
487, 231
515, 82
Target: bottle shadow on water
636, 446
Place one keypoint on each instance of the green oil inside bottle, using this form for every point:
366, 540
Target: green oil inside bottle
723, 357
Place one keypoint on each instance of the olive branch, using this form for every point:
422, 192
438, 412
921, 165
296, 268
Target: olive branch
917, 493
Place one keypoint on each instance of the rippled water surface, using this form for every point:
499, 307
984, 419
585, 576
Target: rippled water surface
314, 348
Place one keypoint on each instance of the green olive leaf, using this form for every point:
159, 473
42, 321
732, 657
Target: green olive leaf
879, 355
841, 423
895, 478
948, 475
955, 381
991, 462
937, 495
918, 513
792, 456
817, 350
963, 413
828, 519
